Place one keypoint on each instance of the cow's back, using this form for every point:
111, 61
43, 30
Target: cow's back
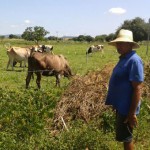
55, 62
18, 53
47, 61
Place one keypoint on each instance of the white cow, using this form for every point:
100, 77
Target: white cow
18, 54
94, 48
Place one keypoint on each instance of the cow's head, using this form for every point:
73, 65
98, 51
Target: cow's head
100, 46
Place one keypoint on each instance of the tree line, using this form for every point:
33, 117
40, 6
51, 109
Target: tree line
137, 25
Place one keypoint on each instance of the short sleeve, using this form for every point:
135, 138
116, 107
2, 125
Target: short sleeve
136, 71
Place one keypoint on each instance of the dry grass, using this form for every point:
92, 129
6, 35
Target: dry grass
85, 97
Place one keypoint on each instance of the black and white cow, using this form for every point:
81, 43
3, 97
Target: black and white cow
94, 48
44, 48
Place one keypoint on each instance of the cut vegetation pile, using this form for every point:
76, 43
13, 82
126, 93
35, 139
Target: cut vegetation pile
146, 88
85, 97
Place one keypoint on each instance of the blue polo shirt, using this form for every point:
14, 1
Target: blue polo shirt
129, 68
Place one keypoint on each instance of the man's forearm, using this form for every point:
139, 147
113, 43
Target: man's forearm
135, 97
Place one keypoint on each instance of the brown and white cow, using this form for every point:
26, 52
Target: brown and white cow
17, 54
94, 48
47, 65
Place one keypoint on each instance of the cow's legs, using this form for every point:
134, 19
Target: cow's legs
20, 64
28, 78
38, 79
8, 64
58, 80
11, 63
24, 64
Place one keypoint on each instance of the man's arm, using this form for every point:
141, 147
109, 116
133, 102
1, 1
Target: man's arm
131, 118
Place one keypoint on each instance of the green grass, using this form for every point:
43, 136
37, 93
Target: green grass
26, 115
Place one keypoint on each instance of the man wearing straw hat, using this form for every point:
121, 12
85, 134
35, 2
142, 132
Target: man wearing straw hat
125, 87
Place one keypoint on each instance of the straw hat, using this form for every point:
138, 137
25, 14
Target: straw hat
124, 36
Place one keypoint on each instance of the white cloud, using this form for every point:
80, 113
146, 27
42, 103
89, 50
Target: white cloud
27, 21
13, 26
18, 25
117, 10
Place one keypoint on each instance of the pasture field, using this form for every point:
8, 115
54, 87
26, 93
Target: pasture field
26, 116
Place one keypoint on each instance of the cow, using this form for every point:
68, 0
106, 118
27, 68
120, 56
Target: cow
47, 65
47, 48
94, 48
18, 54
44, 48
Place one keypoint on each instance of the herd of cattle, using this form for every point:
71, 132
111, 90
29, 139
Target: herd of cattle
42, 61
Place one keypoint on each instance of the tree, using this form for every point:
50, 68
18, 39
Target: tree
52, 38
88, 38
110, 37
12, 36
82, 38
36, 34
137, 26
101, 38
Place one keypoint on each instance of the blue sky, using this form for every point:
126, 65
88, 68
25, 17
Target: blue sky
70, 17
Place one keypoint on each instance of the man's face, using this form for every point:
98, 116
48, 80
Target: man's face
123, 47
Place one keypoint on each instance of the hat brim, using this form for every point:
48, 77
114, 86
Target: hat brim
113, 43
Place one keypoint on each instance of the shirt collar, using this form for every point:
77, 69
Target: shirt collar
128, 54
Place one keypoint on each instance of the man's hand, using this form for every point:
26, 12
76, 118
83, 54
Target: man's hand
131, 120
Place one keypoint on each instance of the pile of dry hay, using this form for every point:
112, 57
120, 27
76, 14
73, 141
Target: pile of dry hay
146, 86
85, 97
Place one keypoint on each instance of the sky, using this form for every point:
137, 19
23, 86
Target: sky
70, 17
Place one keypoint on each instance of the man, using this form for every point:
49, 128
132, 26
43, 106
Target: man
125, 87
